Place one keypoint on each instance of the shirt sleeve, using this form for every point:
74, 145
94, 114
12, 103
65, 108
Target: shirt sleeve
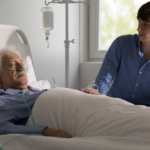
109, 67
7, 125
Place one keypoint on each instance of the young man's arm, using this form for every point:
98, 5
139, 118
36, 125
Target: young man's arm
109, 67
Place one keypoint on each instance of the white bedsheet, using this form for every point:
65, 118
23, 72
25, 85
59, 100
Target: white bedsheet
95, 122
76, 143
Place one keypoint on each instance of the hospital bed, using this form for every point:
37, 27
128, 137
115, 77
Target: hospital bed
96, 122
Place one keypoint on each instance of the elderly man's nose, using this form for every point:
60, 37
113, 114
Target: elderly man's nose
20, 65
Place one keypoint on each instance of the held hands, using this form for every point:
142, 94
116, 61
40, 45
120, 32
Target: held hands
91, 91
56, 133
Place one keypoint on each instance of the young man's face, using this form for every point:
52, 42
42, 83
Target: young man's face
143, 30
10, 77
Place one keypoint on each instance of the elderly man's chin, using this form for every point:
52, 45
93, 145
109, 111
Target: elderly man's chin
22, 79
21, 76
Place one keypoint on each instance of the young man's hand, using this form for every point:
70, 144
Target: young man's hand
91, 91
56, 133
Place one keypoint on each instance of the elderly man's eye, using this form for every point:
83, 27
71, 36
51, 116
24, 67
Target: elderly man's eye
11, 66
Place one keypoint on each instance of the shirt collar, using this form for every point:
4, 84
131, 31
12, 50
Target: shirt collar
12, 91
139, 45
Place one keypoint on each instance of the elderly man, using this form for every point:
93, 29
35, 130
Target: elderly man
13, 110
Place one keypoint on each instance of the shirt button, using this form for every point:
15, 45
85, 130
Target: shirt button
140, 72
136, 84
132, 95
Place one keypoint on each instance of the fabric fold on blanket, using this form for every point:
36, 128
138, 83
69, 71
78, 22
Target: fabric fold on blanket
85, 115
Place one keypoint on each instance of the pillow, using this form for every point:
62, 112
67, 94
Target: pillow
42, 84
29, 69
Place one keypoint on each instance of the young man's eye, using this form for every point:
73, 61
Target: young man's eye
146, 24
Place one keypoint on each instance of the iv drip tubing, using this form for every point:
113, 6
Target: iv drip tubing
49, 56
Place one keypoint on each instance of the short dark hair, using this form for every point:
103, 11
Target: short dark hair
144, 12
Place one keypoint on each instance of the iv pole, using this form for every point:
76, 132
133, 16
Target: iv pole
67, 42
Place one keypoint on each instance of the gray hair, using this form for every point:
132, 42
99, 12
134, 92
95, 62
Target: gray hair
6, 51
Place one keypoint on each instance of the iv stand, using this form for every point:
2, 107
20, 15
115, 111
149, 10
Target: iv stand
67, 42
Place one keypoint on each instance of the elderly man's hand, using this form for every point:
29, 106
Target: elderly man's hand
91, 91
56, 133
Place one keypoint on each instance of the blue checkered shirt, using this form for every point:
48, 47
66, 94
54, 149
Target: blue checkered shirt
125, 69
14, 112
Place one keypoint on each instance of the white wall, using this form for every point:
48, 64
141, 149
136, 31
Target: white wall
88, 72
84, 30
26, 15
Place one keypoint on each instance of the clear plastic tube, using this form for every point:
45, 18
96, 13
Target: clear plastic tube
47, 43
92, 85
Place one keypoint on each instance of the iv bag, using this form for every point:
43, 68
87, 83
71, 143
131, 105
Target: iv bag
47, 18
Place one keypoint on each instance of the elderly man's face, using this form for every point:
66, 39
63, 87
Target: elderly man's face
13, 78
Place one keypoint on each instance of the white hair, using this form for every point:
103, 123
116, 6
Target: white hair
6, 51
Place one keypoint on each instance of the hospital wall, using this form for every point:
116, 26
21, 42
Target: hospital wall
26, 15
89, 68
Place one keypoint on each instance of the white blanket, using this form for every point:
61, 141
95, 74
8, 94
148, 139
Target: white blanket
96, 122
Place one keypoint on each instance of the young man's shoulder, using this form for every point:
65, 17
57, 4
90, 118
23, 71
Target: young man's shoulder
128, 37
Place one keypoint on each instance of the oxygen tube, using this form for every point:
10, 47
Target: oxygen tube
25, 135
28, 106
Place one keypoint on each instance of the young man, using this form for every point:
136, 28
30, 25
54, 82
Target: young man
127, 64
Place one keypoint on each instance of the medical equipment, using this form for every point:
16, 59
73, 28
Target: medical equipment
67, 41
13, 68
47, 24
47, 18
47, 21
51, 70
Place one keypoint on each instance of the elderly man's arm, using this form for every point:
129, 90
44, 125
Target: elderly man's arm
7, 126
10, 128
